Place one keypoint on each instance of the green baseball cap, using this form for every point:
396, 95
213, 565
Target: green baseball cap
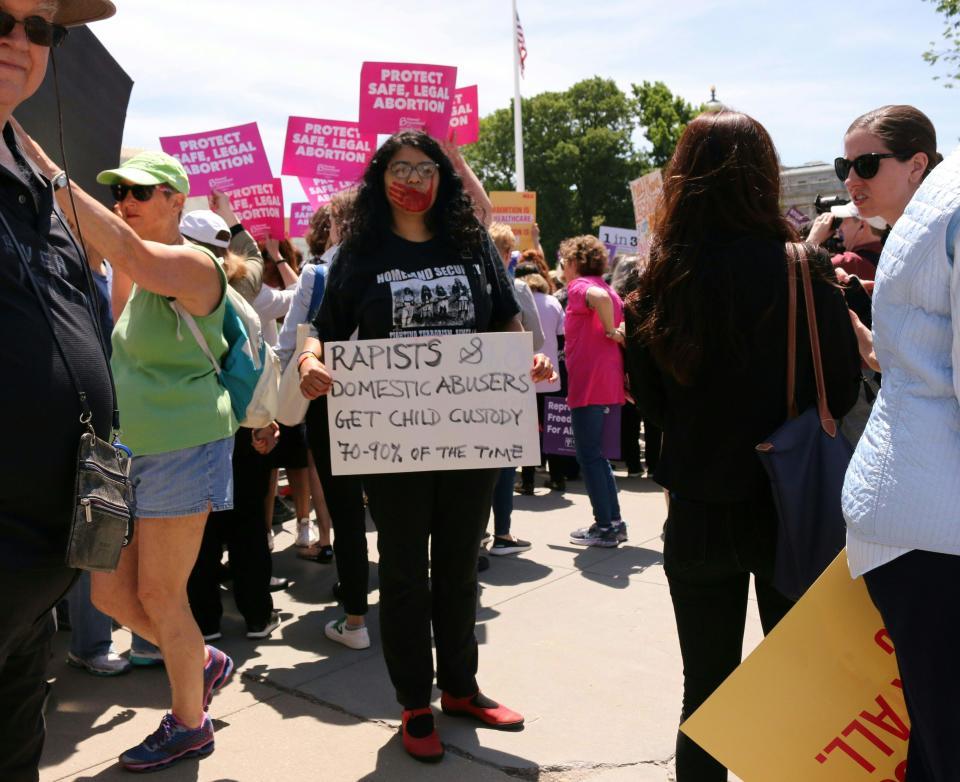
149, 168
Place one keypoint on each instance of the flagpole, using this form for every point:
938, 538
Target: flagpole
517, 115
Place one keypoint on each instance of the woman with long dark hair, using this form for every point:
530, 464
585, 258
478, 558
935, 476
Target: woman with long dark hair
707, 359
413, 227
900, 492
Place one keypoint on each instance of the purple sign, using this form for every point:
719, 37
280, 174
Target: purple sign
558, 429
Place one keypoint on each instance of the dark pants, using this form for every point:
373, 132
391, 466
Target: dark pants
652, 441
917, 595
429, 527
554, 463
27, 625
245, 534
630, 436
710, 550
344, 497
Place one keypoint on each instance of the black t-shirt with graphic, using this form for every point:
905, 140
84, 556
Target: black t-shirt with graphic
411, 289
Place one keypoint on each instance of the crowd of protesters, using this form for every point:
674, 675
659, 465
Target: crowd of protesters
691, 344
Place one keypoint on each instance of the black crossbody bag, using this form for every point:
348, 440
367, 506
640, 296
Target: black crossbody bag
104, 497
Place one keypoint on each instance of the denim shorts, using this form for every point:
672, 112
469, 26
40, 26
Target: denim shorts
184, 482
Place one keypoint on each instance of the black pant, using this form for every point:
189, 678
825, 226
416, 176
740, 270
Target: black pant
344, 497
710, 550
554, 462
917, 595
27, 625
652, 441
430, 522
630, 437
244, 532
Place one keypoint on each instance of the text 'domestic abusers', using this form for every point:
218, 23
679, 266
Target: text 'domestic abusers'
432, 403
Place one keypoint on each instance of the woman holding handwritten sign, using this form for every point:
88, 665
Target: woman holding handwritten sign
415, 262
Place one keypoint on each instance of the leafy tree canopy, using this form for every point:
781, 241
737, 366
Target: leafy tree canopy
949, 54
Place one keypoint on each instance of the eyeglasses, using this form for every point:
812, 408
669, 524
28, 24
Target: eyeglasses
402, 169
866, 166
39, 31
142, 193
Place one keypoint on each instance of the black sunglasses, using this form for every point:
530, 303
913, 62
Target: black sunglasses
142, 193
866, 166
39, 31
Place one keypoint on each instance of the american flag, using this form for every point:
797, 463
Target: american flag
521, 45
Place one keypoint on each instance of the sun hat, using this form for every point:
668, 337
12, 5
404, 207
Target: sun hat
75, 12
206, 227
149, 168
849, 210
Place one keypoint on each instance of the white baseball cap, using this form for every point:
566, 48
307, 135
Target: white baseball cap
849, 210
206, 227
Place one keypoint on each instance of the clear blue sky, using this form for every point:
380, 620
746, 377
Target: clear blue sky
803, 69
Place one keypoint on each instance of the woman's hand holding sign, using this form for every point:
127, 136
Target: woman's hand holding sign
542, 369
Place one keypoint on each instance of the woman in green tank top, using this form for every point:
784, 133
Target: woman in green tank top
178, 421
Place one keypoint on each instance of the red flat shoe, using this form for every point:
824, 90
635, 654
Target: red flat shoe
424, 748
481, 708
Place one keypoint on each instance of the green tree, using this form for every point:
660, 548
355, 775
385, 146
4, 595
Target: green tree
950, 55
663, 117
580, 152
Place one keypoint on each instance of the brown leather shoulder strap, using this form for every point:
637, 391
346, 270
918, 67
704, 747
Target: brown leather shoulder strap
827, 421
792, 254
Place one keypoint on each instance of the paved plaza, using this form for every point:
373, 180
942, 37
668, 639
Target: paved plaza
581, 641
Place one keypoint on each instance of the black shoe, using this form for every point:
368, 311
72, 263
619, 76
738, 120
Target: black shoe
556, 484
483, 563
263, 630
503, 546
282, 511
278, 583
523, 488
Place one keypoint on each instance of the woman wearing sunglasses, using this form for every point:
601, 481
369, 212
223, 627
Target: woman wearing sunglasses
178, 421
412, 227
901, 488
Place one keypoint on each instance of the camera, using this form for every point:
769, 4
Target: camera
824, 203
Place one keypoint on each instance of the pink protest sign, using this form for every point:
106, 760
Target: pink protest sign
221, 159
464, 119
404, 96
320, 191
260, 209
300, 215
326, 149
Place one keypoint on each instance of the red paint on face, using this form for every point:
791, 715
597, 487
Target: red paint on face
409, 199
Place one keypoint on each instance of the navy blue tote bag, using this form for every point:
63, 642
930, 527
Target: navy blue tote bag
806, 460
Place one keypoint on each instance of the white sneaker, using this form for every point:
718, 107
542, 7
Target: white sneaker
109, 664
307, 533
353, 637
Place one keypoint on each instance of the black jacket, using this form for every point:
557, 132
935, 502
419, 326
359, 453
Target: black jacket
711, 428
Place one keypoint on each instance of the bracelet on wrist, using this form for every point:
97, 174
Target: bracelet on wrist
303, 357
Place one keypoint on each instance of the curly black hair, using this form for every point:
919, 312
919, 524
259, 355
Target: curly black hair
450, 219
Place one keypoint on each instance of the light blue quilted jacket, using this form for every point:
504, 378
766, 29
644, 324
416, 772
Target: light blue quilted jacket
903, 485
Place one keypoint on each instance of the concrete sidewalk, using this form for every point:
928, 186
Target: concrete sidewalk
581, 641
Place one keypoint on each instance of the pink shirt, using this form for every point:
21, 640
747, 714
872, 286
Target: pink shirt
594, 361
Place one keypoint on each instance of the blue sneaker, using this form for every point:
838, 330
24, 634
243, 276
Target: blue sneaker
215, 674
171, 742
621, 528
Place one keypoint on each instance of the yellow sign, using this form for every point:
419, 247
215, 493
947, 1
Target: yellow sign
819, 700
519, 211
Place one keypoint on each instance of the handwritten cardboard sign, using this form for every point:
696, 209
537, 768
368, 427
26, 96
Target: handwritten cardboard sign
224, 159
260, 209
320, 191
819, 700
465, 117
397, 96
645, 191
326, 149
300, 214
432, 403
519, 211
558, 429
